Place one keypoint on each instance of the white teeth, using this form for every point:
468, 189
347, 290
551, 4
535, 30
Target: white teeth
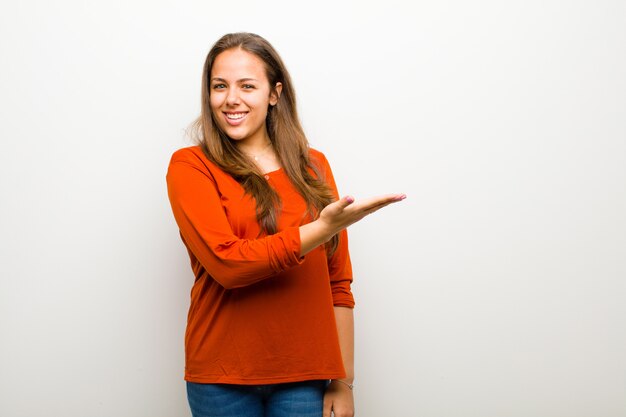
235, 116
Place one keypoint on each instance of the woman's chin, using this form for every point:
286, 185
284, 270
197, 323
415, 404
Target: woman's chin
234, 134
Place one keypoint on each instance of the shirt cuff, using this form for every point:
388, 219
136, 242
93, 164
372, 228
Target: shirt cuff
284, 249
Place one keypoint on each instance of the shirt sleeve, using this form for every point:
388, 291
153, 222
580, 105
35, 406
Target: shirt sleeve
231, 261
339, 265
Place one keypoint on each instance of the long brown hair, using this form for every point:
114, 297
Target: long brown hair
284, 130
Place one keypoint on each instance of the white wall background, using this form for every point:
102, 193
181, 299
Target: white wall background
496, 289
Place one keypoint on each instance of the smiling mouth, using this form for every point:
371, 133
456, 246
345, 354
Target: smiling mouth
235, 116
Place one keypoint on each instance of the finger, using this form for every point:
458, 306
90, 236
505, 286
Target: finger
371, 205
382, 199
328, 405
345, 201
373, 209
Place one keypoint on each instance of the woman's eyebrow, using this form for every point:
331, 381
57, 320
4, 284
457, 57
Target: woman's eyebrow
239, 81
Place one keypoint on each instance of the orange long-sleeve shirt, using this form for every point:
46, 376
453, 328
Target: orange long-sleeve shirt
259, 313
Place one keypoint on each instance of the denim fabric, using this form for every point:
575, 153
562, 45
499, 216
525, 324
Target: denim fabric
295, 399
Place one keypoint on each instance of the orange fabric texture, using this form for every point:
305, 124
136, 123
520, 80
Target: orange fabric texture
259, 312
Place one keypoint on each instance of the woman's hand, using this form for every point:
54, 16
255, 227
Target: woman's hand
339, 215
342, 213
338, 399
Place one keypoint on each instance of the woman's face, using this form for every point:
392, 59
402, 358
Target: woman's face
240, 95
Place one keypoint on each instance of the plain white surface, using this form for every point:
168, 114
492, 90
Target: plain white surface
496, 289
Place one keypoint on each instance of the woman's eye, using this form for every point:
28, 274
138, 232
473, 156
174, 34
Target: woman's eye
248, 86
218, 86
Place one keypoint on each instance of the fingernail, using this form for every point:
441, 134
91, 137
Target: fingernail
350, 199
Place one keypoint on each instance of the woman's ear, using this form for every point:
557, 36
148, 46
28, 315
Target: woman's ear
275, 94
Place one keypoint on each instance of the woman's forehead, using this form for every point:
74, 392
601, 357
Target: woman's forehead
237, 64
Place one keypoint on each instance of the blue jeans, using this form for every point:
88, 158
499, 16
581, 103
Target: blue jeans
294, 399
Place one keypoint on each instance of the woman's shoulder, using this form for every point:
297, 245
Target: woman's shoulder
189, 153
318, 157
193, 157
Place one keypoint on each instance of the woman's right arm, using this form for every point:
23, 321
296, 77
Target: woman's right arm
197, 207
236, 262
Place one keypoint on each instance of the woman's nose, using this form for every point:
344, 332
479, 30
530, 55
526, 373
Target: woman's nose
233, 97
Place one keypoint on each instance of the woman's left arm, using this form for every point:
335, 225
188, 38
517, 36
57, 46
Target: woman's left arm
338, 397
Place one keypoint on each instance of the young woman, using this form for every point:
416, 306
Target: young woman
270, 326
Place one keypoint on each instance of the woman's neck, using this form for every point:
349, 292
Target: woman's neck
255, 147
261, 153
